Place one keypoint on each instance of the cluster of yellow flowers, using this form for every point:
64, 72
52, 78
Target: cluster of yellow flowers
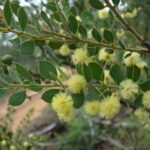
107, 108
134, 58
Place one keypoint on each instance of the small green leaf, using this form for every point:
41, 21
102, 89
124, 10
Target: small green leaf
97, 71
116, 2
83, 69
145, 86
27, 47
133, 73
13, 74
72, 11
122, 45
15, 6
23, 72
73, 24
138, 101
17, 98
7, 12
16, 43
91, 93
96, 35
82, 30
51, 6
48, 70
49, 94
78, 99
45, 18
96, 4
117, 73
55, 45
22, 17
108, 36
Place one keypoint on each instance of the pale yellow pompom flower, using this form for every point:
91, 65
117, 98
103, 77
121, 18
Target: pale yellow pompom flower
80, 55
110, 107
146, 99
92, 107
105, 56
64, 50
120, 33
62, 104
132, 59
103, 14
107, 78
76, 83
142, 64
132, 14
141, 114
128, 89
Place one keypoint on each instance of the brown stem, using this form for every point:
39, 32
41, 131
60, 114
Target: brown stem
128, 27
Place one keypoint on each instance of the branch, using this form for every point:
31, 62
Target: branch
72, 40
128, 27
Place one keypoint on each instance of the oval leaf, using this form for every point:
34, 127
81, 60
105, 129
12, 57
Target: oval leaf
17, 98
27, 47
96, 4
78, 100
22, 17
49, 94
108, 36
7, 12
73, 24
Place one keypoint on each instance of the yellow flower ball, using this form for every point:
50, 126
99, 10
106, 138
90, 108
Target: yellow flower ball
128, 89
133, 59
92, 107
120, 33
146, 100
103, 14
62, 104
141, 114
105, 56
64, 50
110, 107
76, 83
81, 56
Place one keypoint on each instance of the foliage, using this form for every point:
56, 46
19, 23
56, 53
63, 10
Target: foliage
92, 54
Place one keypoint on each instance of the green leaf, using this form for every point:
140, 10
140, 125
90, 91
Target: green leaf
16, 43
49, 94
15, 6
78, 99
145, 86
13, 74
138, 101
91, 93
116, 2
2, 92
133, 73
27, 47
55, 45
22, 17
97, 71
96, 35
17, 98
108, 36
73, 24
82, 30
23, 72
72, 11
51, 6
117, 73
96, 4
7, 12
48, 70
45, 18
83, 69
